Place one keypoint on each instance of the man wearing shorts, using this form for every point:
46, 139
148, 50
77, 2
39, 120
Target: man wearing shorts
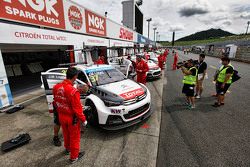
202, 70
224, 80
189, 80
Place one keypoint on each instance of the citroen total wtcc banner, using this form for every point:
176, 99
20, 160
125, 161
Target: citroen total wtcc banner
5, 93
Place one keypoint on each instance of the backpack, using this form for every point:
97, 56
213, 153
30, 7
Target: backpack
235, 76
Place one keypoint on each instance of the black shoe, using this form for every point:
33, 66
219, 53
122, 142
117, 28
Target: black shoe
216, 105
57, 141
66, 152
81, 154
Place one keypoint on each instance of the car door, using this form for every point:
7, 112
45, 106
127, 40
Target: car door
50, 79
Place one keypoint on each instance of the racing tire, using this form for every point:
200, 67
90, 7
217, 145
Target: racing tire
92, 115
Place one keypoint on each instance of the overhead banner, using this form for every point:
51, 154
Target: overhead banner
48, 13
95, 24
5, 93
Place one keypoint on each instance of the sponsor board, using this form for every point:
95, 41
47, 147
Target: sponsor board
126, 34
48, 13
95, 24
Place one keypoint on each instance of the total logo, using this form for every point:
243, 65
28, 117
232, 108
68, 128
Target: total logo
75, 17
132, 94
95, 24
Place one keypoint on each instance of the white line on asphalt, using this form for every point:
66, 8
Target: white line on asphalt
213, 67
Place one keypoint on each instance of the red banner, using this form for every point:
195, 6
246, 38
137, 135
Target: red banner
43, 12
95, 24
126, 34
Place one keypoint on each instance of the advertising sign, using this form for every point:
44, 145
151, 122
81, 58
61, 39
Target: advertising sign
126, 34
5, 93
95, 24
48, 13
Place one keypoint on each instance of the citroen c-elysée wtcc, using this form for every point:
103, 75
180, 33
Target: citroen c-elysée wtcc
115, 101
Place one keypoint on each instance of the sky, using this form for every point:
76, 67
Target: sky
185, 17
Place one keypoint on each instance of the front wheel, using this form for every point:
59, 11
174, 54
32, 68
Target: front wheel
92, 116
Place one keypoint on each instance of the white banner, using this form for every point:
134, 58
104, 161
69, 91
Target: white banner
14, 34
5, 93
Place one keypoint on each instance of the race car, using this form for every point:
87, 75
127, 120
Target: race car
115, 101
154, 70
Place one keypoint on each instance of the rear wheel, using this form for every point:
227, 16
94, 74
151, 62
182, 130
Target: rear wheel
92, 115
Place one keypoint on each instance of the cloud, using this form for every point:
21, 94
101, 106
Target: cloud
194, 8
177, 27
245, 15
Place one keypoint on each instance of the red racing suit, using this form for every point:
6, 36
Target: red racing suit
141, 70
100, 61
161, 61
70, 112
175, 61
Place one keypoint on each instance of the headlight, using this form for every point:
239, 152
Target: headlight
109, 103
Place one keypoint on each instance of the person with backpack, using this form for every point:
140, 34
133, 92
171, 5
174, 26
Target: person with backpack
223, 81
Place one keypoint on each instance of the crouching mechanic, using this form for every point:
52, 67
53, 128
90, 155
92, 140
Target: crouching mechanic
70, 112
190, 76
223, 81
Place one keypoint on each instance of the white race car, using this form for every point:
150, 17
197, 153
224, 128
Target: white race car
154, 70
115, 101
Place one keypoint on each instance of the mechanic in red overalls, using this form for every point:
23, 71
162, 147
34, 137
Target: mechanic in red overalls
141, 69
175, 60
70, 111
101, 60
161, 61
165, 55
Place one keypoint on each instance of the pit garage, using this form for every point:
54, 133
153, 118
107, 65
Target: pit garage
24, 63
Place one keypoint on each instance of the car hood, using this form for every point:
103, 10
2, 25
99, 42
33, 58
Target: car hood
126, 89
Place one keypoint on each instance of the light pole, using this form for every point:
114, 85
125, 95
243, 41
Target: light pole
247, 26
155, 28
148, 20
157, 36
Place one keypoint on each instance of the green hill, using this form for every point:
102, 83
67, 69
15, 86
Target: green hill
205, 35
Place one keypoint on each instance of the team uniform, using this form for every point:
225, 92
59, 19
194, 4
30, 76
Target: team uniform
142, 76
70, 112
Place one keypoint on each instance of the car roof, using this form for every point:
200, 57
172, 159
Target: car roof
85, 68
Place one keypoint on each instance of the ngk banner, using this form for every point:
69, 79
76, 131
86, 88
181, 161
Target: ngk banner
48, 13
74, 17
95, 24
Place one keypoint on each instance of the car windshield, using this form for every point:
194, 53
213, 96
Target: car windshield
152, 55
104, 76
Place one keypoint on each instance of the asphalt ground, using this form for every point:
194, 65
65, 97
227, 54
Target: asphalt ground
205, 136
132, 147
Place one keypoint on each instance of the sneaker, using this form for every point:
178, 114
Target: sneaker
190, 107
57, 141
81, 154
186, 103
197, 97
216, 105
66, 152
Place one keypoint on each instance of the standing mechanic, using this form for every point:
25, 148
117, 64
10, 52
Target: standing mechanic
189, 81
175, 60
101, 60
141, 70
223, 80
161, 61
202, 72
70, 111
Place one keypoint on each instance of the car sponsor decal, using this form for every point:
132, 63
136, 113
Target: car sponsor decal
132, 94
